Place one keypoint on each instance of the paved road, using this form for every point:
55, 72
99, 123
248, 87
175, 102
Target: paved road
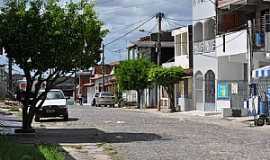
146, 136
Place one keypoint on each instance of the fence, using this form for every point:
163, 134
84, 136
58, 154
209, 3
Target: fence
261, 86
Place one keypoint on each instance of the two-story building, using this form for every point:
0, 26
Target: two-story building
205, 61
243, 34
230, 40
95, 81
146, 47
183, 57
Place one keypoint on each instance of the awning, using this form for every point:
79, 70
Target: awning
263, 72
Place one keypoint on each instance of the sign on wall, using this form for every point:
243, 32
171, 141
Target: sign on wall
223, 90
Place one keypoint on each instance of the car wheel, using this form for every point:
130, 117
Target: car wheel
37, 118
260, 122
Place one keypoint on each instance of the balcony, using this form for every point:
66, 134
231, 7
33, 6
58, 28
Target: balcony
180, 61
206, 46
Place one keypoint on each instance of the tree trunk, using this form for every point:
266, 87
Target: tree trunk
27, 118
25, 125
30, 117
170, 92
139, 93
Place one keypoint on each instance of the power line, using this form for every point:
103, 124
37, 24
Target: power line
130, 25
124, 35
174, 23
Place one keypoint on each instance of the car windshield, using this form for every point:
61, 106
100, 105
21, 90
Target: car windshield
55, 95
97, 94
106, 94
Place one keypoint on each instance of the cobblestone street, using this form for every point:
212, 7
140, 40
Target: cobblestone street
148, 136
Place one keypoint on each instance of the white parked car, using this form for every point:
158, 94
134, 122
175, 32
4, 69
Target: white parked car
105, 99
55, 105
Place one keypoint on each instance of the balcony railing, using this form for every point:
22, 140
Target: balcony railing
205, 46
210, 46
199, 47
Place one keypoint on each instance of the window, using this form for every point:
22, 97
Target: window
182, 89
199, 87
184, 43
198, 32
178, 45
209, 29
190, 88
55, 95
210, 87
106, 94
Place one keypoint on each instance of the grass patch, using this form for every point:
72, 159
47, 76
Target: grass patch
10, 150
109, 150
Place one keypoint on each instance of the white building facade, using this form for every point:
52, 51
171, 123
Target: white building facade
183, 57
205, 67
230, 40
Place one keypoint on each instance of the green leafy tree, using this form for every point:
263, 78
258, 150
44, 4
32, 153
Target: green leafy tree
133, 75
48, 41
167, 77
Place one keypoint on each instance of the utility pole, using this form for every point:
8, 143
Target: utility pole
250, 51
159, 17
103, 68
250, 64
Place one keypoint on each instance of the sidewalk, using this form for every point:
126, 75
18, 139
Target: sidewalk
215, 118
8, 123
74, 151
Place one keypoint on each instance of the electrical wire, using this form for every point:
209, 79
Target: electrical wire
177, 25
152, 30
130, 25
124, 35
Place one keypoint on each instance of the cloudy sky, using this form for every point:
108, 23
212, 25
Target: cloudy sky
121, 16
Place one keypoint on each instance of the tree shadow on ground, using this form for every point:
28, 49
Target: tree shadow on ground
81, 135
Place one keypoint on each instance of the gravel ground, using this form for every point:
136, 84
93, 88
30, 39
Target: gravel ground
148, 136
